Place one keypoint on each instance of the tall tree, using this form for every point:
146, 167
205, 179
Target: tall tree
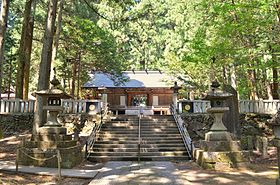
28, 52
25, 51
45, 65
3, 25
57, 32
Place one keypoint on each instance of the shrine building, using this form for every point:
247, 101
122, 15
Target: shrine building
151, 90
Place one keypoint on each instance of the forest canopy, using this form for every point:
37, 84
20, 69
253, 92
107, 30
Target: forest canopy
236, 41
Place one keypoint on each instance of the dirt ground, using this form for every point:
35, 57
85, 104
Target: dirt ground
261, 171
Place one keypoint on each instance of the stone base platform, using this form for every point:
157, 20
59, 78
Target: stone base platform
42, 149
218, 136
221, 159
217, 146
52, 130
70, 157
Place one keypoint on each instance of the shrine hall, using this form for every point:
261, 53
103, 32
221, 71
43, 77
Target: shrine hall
150, 90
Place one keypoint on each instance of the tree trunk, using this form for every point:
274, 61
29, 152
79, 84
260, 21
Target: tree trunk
252, 83
275, 83
45, 65
57, 32
226, 74
269, 90
233, 79
28, 51
74, 76
3, 25
274, 69
79, 76
22, 80
266, 82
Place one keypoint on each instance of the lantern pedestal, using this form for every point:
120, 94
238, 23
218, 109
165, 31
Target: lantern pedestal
218, 150
218, 131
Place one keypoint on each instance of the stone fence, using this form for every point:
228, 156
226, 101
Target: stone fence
191, 106
245, 106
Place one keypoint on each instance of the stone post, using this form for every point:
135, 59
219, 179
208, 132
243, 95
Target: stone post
175, 100
175, 95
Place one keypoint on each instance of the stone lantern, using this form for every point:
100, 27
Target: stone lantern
217, 98
218, 150
51, 142
53, 107
276, 141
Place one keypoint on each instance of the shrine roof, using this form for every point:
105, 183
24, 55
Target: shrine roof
131, 79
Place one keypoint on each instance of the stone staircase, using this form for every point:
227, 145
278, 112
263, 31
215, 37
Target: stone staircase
118, 140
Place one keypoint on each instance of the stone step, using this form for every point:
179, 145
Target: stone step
146, 139
160, 140
136, 135
143, 132
157, 127
143, 120
165, 153
135, 158
162, 149
171, 124
135, 145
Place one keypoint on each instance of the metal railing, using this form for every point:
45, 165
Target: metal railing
183, 131
139, 137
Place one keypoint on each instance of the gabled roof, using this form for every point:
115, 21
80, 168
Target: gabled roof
135, 79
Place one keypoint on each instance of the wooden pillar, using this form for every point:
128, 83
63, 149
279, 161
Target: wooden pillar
128, 99
150, 99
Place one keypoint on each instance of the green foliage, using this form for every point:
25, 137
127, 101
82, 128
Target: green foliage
177, 36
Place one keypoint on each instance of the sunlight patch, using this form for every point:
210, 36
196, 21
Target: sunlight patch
223, 180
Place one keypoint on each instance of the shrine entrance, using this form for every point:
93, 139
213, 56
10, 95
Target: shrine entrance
139, 100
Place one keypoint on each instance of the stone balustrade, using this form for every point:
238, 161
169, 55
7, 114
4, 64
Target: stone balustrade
195, 106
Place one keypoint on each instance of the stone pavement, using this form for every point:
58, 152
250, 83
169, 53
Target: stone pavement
78, 173
133, 173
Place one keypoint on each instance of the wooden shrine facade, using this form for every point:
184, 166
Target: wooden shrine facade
142, 89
